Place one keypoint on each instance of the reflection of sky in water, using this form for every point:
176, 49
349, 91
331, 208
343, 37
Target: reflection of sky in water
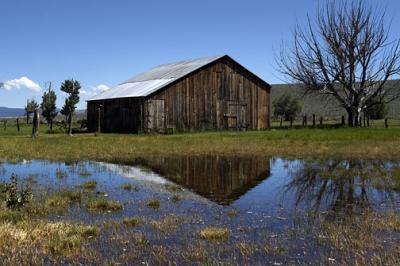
272, 197
272, 194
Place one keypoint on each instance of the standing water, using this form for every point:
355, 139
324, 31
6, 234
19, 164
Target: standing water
219, 209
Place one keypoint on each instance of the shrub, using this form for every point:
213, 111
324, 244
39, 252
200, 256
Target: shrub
15, 195
378, 110
286, 106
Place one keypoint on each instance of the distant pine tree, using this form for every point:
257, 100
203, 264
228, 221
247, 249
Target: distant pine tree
49, 109
31, 106
71, 87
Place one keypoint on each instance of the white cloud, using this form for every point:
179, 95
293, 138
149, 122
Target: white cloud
101, 88
94, 90
20, 83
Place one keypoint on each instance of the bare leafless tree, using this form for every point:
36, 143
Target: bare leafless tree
344, 52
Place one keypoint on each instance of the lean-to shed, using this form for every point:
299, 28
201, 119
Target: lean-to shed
213, 93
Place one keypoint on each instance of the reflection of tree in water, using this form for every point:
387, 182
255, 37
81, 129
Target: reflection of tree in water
340, 185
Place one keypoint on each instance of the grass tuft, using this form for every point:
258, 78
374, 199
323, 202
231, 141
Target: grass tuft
89, 185
103, 205
129, 187
62, 199
167, 223
153, 203
131, 222
215, 234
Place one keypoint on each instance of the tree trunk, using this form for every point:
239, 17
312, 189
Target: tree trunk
51, 125
35, 124
70, 124
353, 117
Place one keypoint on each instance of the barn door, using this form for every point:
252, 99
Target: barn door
235, 115
154, 116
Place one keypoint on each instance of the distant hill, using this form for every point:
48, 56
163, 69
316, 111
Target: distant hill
11, 112
6, 112
323, 105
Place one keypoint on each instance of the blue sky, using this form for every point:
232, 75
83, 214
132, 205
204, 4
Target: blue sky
102, 43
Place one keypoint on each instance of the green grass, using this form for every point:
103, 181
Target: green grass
129, 187
329, 142
131, 222
89, 185
61, 200
103, 205
153, 203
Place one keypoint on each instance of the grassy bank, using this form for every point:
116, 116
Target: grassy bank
334, 142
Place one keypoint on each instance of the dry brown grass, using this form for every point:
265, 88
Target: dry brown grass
365, 239
167, 223
215, 234
53, 238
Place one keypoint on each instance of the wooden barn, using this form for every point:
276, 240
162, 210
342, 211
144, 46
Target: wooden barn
214, 93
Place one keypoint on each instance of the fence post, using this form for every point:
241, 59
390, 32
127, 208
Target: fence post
321, 120
35, 124
291, 122
280, 124
313, 120
386, 123
17, 124
342, 120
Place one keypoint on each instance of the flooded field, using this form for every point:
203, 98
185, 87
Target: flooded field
201, 210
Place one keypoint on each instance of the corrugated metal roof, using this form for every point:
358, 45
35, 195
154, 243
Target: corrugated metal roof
148, 82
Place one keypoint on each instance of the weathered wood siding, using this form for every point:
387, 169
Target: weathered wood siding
221, 96
116, 115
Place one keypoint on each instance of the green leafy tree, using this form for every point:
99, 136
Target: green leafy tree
376, 109
49, 109
31, 106
286, 106
71, 88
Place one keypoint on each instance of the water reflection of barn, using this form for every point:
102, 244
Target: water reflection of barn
221, 179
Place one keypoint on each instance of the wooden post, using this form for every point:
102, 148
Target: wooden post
5, 125
280, 124
342, 120
98, 119
321, 120
291, 122
313, 120
35, 124
17, 124
305, 120
386, 123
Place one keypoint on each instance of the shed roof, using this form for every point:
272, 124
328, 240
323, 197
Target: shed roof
155, 79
